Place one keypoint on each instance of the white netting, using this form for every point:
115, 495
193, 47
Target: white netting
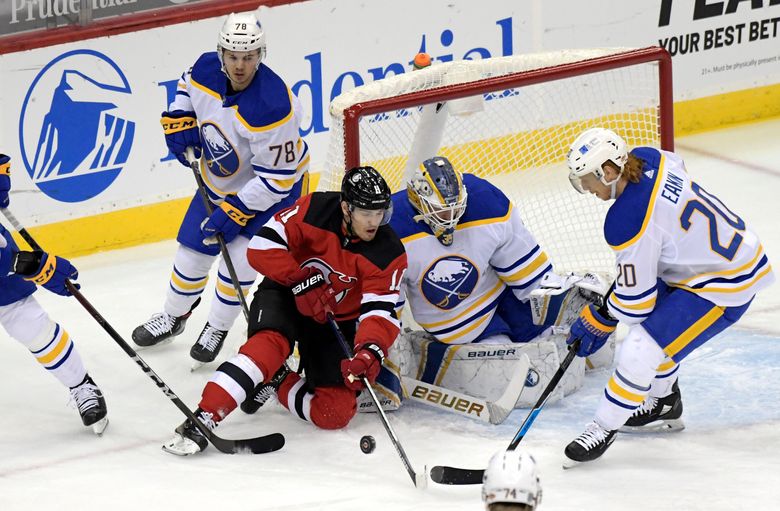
516, 136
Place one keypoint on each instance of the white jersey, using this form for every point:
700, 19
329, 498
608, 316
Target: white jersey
251, 142
453, 291
668, 227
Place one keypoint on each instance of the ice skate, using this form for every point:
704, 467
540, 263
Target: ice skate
589, 446
161, 328
208, 346
657, 414
263, 391
188, 438
91, 405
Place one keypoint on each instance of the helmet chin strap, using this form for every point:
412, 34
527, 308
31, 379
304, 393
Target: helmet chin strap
612, 185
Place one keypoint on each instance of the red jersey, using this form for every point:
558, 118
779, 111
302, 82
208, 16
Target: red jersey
365, 275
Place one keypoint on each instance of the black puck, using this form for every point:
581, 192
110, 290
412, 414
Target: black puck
367, 444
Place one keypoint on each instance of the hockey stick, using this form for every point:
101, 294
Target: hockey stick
419, 480
452, 475
195, 166
263, 444
466, 405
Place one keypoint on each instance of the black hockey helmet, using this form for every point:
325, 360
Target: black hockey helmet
365, 188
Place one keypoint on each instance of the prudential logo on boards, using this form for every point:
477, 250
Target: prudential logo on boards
75, 129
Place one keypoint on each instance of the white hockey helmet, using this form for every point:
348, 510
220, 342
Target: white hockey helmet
512, 477
590, 151
437, 192
242, 32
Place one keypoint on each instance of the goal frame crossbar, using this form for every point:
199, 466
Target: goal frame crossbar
354, 113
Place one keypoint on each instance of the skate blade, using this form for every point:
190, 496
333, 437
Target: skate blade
181, 446
662, 426
196, 365
569, 464
100, 426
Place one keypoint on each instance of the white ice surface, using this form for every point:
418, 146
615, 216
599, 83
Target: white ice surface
727, 458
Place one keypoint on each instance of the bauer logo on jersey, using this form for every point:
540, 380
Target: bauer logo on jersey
221, 156
449, 281
76, 128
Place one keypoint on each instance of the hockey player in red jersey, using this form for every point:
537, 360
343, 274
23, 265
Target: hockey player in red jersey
328, 253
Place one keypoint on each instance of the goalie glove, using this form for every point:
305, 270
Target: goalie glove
559, 298
367, 362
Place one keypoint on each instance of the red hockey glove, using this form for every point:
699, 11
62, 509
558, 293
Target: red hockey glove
314, 297
366, 362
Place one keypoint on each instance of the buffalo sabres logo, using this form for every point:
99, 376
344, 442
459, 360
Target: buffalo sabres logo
449, 281
532, 378
340, 283
221, 157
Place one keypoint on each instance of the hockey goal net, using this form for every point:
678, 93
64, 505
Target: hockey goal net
511, 121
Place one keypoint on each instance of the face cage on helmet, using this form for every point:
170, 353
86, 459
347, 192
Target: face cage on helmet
431, 210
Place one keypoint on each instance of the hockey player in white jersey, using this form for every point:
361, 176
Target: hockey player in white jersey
26, 321
688, 268
511, 482
245, 121
473, 266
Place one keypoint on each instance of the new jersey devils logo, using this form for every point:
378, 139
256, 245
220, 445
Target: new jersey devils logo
340, 283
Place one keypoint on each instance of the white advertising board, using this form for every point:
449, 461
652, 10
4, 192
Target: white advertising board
81, 120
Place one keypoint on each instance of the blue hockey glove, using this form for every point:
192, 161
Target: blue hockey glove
5, 180
181, 131
46, 270
229, 218
593, 328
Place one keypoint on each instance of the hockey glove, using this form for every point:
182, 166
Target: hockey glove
181, 131
5, 180
46, 270
367, 362
314, 297
594, 328
228, 219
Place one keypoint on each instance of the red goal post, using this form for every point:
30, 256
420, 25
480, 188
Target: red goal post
511, 121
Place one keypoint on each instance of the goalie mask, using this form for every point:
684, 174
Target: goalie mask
241, 32
590, 151
512, 477
437, 193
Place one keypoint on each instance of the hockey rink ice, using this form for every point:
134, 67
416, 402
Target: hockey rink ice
726, 458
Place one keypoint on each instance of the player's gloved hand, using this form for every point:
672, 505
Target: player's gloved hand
46, 270
5, 180
593, 328
228, 219
366, 362
181, 131
314, 296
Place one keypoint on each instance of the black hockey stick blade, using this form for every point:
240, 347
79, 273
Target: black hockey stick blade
452, 475
259, 445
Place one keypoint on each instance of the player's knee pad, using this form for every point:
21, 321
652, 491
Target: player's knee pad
639, 356
333, 407
268, 349
28, 323
192, 264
